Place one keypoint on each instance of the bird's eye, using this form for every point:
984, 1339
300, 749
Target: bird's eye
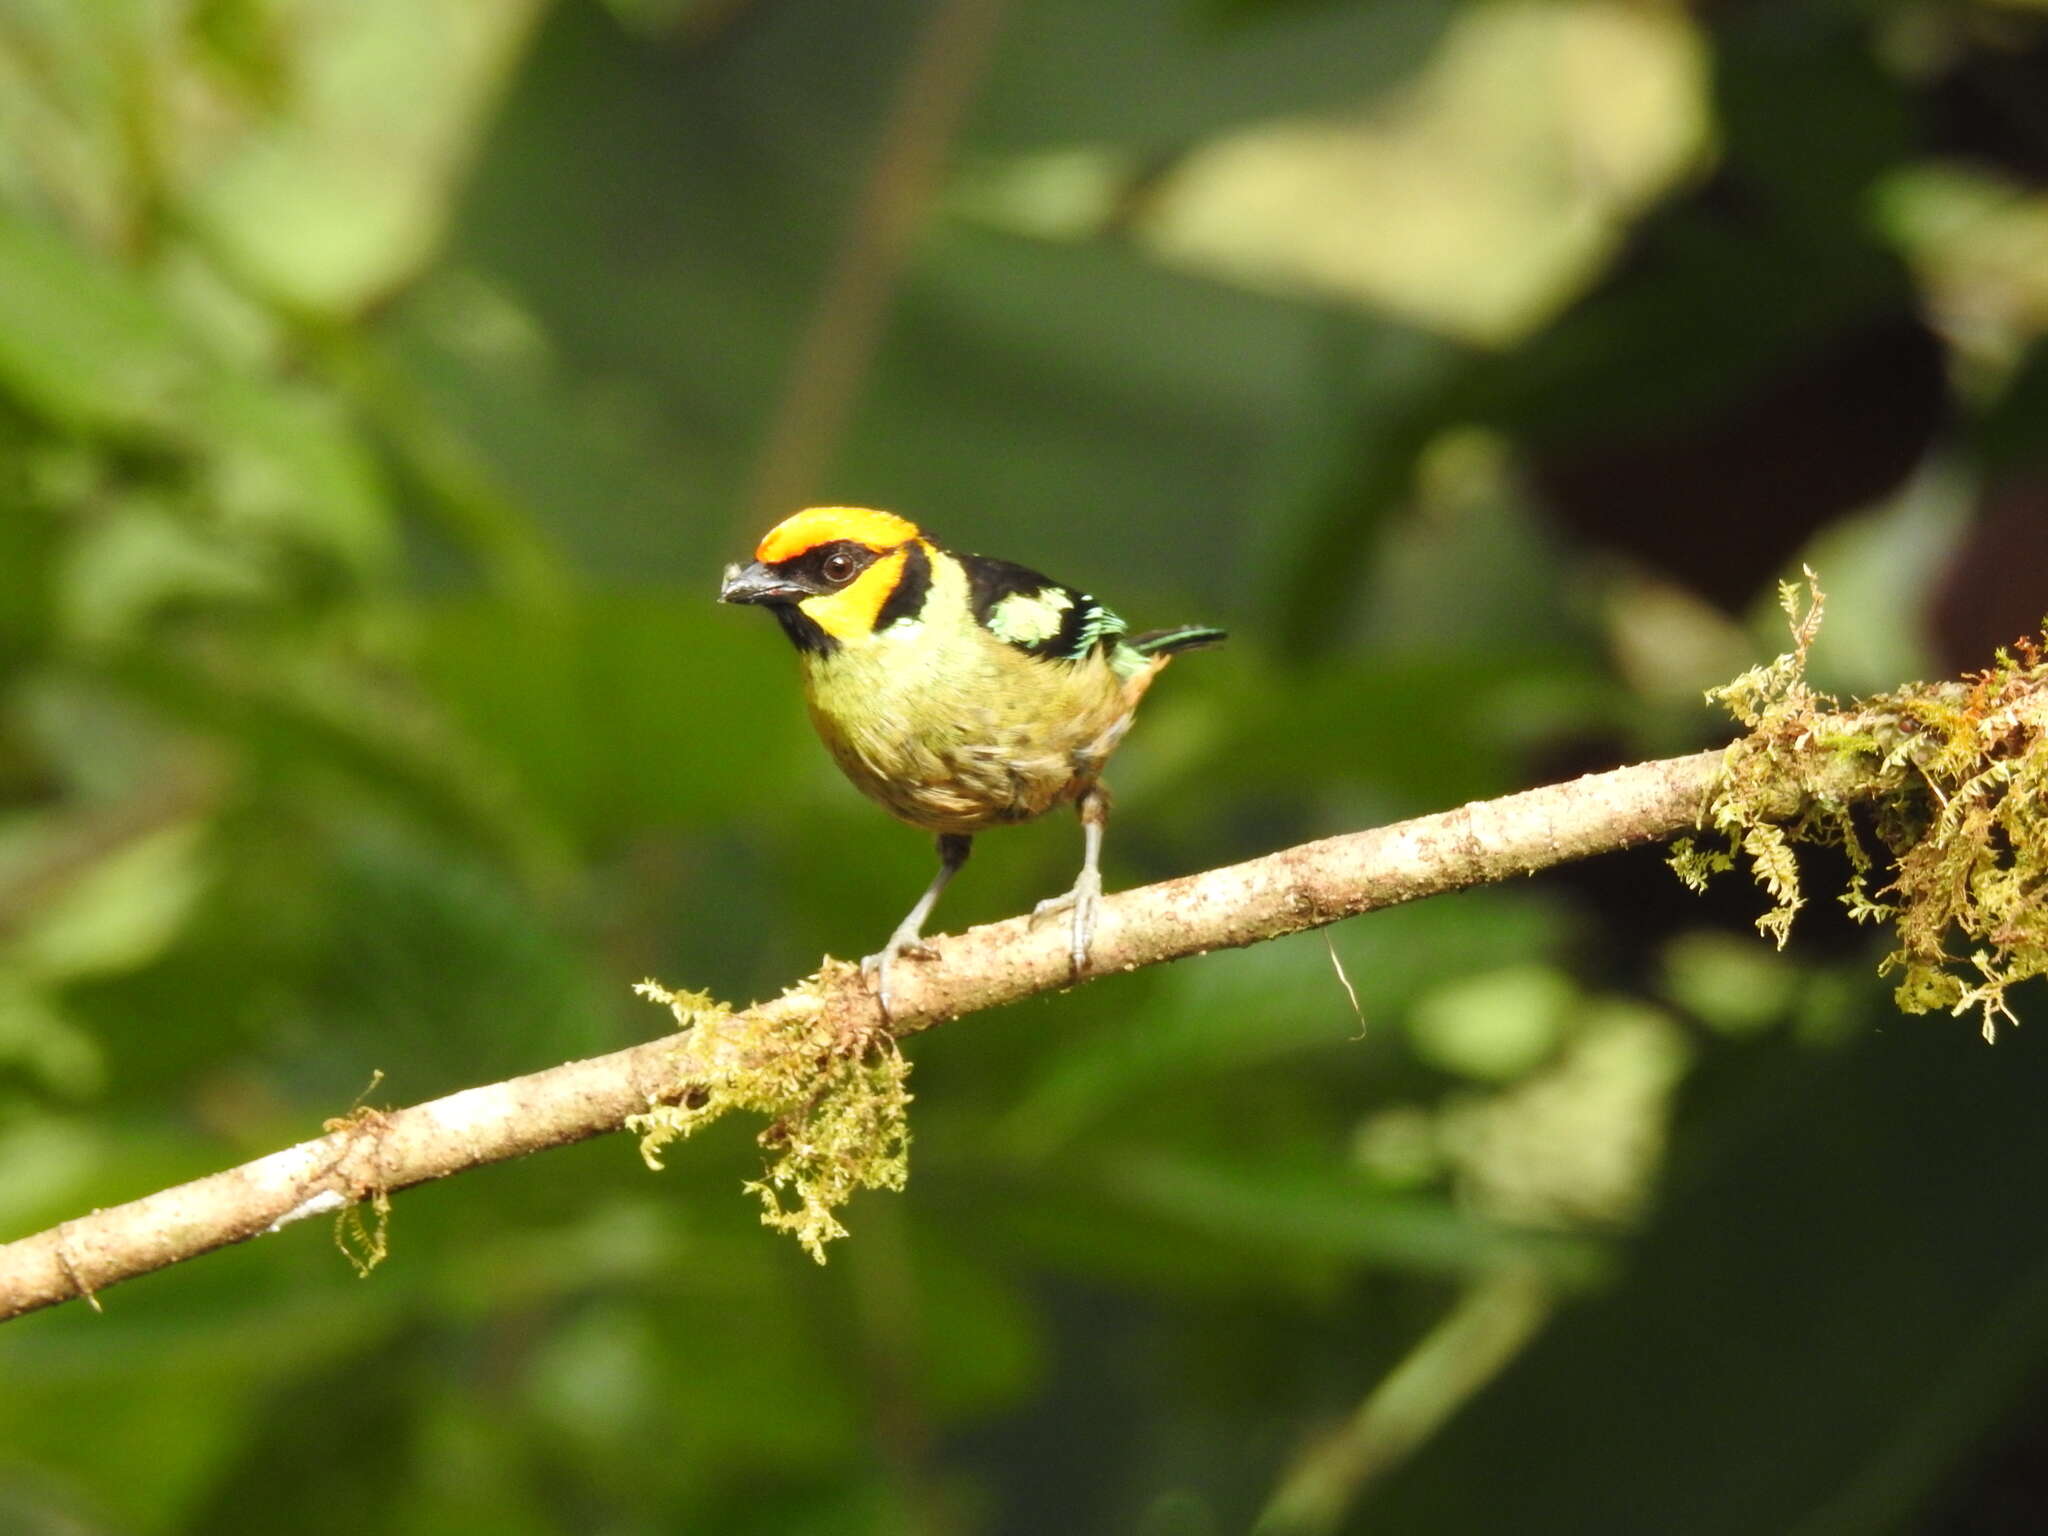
839, 567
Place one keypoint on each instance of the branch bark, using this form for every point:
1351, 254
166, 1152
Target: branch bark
382, 1152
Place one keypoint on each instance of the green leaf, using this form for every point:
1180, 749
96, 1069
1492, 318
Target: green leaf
85, 346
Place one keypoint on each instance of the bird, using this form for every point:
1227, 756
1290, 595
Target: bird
957, 691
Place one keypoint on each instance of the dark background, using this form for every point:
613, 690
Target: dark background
382, 388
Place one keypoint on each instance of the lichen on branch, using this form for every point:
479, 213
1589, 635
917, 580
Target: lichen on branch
1956, 778
836, 1103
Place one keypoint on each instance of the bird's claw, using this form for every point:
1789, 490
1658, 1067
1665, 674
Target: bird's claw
1052, 906
1084, 901
875, 968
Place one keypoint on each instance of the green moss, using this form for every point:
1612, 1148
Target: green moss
1955, 772
365, 1244
836, 1105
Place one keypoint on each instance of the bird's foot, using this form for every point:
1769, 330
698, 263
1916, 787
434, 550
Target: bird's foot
1084, 901
876, 967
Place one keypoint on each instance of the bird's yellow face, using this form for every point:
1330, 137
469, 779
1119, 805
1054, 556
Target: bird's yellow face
835, 575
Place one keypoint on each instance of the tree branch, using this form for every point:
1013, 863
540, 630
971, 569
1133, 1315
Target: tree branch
375, 1153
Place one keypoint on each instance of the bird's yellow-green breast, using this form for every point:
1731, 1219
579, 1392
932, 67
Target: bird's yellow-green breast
953, 728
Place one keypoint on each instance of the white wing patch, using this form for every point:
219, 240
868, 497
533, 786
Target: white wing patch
1029, 618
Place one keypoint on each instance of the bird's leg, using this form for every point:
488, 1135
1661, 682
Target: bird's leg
1086, 896
909, 935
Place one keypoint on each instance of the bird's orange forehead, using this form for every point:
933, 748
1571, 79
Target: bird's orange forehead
825, 525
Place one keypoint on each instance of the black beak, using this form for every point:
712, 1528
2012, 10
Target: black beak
757, 584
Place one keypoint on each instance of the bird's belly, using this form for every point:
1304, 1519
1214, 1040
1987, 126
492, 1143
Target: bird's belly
949, 761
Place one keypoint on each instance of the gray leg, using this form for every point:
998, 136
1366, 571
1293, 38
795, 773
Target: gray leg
909, 935
1086, 896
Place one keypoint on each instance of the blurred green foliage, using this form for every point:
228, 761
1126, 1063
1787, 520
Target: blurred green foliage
380, 390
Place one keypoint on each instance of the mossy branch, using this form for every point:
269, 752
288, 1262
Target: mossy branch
1957, 775
1954, 772
778, 1055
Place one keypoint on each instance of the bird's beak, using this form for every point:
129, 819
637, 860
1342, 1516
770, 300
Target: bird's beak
757, 584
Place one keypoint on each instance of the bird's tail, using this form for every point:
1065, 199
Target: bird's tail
1183, 637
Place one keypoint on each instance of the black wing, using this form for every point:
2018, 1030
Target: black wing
1036, 614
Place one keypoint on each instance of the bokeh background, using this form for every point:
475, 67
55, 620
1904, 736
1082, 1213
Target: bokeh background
382, 387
